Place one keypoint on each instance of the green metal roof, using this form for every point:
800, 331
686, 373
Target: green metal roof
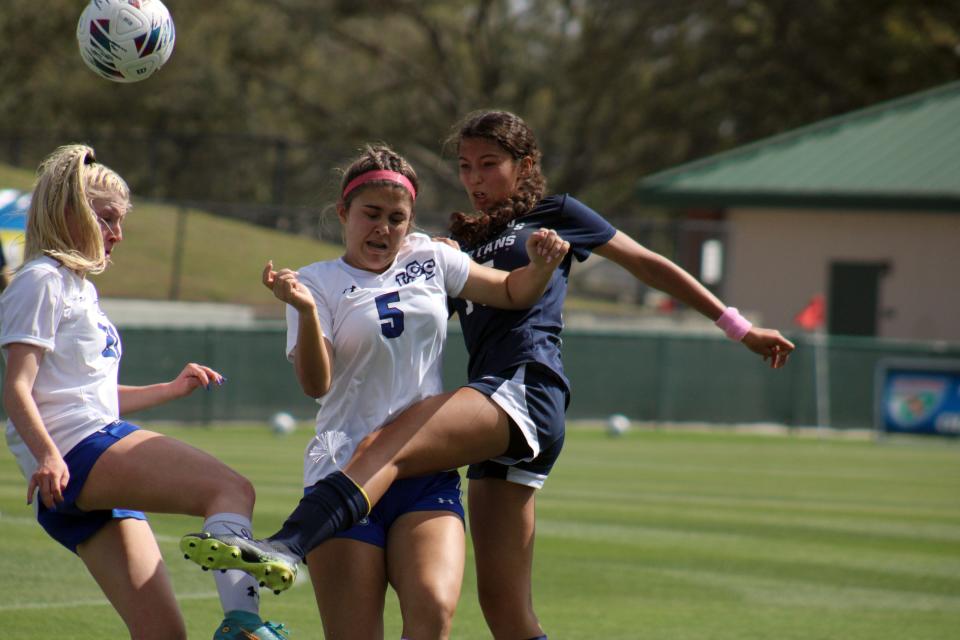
901, 154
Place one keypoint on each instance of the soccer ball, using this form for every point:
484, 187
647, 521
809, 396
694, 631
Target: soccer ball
125, 40
617, 424
282, 423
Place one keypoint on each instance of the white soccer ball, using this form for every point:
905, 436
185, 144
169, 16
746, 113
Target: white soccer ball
617, 424
283, 423
125, 40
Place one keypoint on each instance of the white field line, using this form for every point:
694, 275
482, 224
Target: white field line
92, 602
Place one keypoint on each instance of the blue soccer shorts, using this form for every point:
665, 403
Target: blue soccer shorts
68, 524
535, 398
435, 492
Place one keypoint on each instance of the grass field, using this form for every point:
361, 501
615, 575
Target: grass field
660, 535
221, 258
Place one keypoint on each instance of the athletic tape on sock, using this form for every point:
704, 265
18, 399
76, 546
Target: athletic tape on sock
366, 498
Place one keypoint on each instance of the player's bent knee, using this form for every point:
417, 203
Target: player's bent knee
245, 489
221, 490
430, 615
235, 484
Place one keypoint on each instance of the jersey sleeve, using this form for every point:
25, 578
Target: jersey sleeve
456, 268
323, 312
583, 228
31, 308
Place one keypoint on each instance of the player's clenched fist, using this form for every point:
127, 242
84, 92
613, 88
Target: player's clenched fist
287, 287
545, 246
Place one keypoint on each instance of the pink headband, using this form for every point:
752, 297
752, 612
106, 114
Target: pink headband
381, 174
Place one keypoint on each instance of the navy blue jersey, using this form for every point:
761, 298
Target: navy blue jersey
498, 339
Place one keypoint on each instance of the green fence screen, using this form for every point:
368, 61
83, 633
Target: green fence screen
648, 376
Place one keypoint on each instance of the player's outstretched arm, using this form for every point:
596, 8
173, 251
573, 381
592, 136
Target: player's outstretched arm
520, 288
660, 273
190, 378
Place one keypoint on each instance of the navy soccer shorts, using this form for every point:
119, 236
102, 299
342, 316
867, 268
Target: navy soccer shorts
536, 400
436, 492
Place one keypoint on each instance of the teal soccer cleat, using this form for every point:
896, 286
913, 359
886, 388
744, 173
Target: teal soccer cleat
243, 625
271, 565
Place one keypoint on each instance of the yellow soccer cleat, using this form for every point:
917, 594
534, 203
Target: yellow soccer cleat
270, 564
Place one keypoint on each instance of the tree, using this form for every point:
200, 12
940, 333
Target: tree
260, 100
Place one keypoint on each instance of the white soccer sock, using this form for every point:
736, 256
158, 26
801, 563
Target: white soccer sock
237, 589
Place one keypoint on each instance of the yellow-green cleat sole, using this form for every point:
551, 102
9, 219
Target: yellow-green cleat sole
269, 566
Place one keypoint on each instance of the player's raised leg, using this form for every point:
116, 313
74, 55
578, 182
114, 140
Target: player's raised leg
134, 471
441, 432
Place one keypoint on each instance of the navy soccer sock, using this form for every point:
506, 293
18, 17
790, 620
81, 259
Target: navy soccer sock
334, 504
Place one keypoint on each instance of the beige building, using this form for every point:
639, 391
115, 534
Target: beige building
863, 209
889, 274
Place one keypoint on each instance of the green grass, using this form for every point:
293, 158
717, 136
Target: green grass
13, 178
222, 259
658, 535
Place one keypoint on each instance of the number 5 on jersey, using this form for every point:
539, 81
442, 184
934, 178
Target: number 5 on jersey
392, 325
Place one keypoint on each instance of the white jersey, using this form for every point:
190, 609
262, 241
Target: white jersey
387, 331
50, 306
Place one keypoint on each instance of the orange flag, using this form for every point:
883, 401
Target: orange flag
813, 315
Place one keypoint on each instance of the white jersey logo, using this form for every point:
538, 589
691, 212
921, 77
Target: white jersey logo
328, 445
415, 269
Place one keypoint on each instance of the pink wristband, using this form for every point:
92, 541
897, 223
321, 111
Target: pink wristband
733, 324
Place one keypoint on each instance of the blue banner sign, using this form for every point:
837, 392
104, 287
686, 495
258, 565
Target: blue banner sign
13, 220
918, 396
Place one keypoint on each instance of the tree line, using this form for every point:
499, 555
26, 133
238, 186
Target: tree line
262, 99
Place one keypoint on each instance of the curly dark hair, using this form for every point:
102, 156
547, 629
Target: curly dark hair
515, 137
